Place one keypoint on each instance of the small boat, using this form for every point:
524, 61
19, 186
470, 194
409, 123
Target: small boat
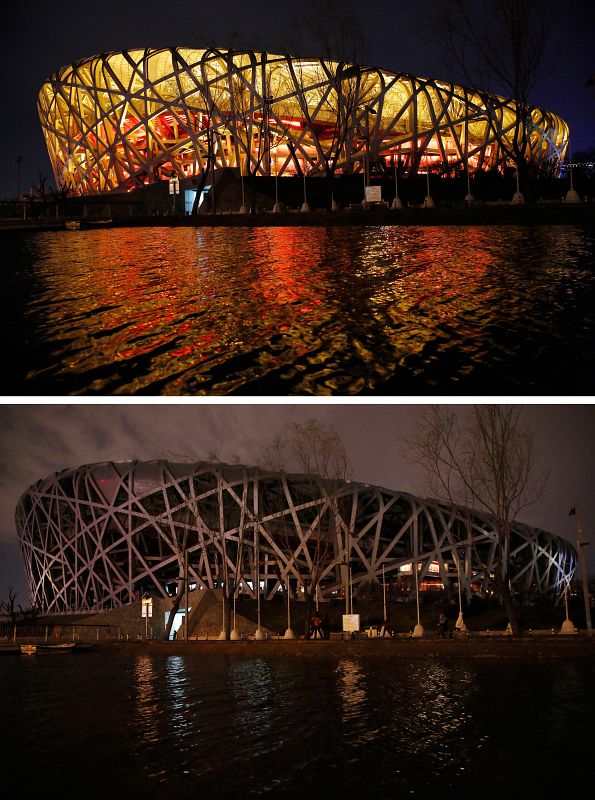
97, 222
72, 225
65, 647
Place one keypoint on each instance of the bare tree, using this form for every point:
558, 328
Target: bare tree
213, 87
249, 115
500, 44
333, 90
9, 607
486, 462
319, 453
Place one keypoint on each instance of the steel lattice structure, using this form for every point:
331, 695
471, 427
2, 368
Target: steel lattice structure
121, 120
97, 536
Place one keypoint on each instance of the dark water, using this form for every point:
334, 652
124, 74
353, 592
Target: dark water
389, 310
138, 725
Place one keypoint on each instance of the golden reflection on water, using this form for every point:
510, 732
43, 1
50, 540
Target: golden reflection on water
147, 698
353, 694
338, 309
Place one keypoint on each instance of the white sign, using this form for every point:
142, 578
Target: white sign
350, 622
373, 194
147, 607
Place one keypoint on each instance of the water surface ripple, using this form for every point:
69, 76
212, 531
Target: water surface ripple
298, 310
161, 726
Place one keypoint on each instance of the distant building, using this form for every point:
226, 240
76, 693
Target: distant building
119, 121
101, 535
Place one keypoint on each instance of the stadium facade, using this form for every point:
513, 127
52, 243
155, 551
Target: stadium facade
99, 536
119, 121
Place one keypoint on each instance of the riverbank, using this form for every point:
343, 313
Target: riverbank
487, 214
525, 648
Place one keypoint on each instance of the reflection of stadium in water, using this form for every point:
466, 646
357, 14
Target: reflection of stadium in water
121, 120
95, 536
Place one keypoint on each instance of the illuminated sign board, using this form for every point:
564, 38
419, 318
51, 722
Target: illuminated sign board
434, 567
350, 623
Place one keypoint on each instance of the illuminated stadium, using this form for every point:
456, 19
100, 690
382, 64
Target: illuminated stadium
120, 121
98, 536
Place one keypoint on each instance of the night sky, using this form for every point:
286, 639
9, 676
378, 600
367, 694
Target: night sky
37, 440
40, 37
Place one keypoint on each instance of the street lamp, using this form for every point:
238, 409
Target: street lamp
305, 206
518, 198
418, 631
222, 634
234, 635
186, 597
346, 570
397, 204
568, 625
572, 195
289, 634
369, 110
428, 200
583, 563
258, 634
460, 623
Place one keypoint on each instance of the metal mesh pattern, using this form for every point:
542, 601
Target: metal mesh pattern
121, 120
98, 536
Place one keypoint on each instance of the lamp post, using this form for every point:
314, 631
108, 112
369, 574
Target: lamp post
397, 204
418, 631
583, 564
428, 200
369, 110
518, 198
258, 634
234, 635
222, 634
460, 623
572, 195
243, 208
469, 199
186, 595
567, 626
305, 207
289, 634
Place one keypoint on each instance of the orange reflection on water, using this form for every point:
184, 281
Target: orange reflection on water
321, 310
352, 686
287, 258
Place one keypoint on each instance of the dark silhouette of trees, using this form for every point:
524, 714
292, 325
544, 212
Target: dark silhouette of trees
9, 607
483, 460
318, 452
501, 46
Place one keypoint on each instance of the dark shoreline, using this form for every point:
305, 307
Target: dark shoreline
532, 648
497, 214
